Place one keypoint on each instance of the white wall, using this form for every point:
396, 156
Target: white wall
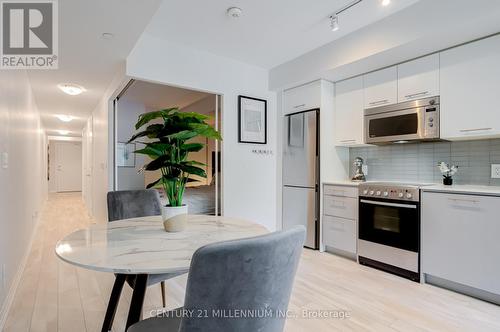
128, 111
420, 29
249, 180
102, 157
23, 185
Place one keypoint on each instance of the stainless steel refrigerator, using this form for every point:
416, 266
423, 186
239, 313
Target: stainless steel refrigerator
301, 174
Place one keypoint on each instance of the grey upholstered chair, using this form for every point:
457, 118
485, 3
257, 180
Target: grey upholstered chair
251, 276
133, 204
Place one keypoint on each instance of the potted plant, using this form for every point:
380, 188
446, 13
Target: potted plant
447, 171
166, 142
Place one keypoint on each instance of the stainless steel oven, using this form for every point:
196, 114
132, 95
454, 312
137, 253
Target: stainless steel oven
389, 228
416, 120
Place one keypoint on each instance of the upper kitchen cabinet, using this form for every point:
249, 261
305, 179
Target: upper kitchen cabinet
419, 78
470, 98
381, 87
349, 112
302, 98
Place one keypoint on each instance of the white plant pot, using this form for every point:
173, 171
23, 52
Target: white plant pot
175, 218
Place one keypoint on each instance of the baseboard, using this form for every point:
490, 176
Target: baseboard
17, 279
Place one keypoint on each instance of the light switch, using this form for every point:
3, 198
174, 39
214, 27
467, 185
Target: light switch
495, 171
5, 160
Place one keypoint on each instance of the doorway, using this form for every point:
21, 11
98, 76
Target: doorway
202, 195
65, 166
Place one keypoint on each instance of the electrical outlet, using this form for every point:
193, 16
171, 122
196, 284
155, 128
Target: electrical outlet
364, 168
5, 160
495, 171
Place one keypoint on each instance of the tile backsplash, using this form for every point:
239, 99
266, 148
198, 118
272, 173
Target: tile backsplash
418, 162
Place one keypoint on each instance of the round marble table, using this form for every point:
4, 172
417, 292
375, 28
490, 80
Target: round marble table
140, 247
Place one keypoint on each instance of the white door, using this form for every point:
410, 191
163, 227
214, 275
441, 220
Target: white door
419, 78
68, 166
87, 171
381, 87
470, 77
349, 112
303, 98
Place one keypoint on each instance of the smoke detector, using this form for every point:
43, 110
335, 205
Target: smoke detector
234, 12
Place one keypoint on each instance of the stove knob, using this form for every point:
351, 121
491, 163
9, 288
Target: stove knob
386, 194
400, 195
378, 193
365, 192
409, 195
371, 192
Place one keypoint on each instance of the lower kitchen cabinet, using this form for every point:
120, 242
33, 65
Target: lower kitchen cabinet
460, 242
340, 233
340, 219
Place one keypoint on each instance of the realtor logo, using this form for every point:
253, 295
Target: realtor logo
29, 34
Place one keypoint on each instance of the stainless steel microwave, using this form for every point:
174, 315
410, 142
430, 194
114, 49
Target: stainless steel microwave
416, 120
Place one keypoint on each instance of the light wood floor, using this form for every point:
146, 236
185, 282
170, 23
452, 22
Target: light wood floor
54, 296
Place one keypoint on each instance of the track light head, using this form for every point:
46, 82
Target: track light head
334, 22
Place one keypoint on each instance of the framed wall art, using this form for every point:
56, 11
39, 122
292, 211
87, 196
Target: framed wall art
252, 120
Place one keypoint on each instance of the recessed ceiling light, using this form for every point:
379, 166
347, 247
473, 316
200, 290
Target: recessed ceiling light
107, 35
64, 117
334, 22
71, 89
386, 2
63, 132
234, 12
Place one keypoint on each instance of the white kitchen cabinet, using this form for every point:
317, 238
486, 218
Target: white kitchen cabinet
340, 233
340, 219
302, 98
381, 87
460, 239
419, 78
349, 112
470, 98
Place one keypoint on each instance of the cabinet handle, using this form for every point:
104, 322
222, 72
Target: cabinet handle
341, 205
476, 129
385, 101
456, 200
301, 105
417, 94
347, 140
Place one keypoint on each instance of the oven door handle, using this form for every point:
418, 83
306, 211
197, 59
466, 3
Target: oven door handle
406, 206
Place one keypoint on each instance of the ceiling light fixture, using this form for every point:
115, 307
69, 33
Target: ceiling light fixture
107, 35
71, 89
64, 117
334, 18
234, 12
386, 3
63, 132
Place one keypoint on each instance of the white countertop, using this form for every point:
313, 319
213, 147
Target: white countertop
343, 183
465, 189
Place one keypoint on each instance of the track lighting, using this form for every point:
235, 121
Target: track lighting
334, 18
334, 22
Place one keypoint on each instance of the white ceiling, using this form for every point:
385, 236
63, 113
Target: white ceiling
157, 96
85, 58
269, 32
